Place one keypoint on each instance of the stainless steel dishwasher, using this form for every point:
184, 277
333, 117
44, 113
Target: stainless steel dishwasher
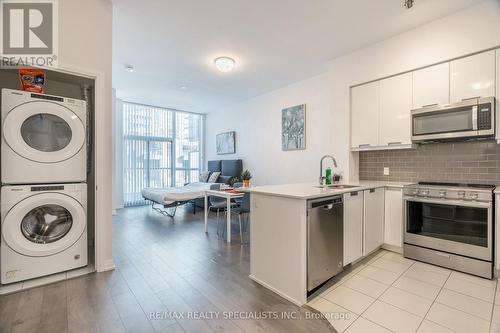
325, 219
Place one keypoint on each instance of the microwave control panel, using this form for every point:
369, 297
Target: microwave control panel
484, 116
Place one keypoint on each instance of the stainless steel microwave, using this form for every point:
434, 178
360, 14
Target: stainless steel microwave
464, 120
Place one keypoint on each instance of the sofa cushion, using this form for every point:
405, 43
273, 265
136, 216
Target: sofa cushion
204, 176
213, 177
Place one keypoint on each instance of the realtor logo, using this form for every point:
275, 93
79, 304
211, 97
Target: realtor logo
28, 33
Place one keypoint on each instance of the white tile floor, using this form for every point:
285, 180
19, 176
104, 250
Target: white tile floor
390, 293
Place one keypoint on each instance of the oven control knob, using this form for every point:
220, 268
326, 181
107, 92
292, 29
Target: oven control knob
415, 192
461, 194
442, 194
473, 196
423, 192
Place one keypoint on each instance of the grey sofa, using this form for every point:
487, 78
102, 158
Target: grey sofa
229, 169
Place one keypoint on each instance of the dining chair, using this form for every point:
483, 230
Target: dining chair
218, 204
243, 210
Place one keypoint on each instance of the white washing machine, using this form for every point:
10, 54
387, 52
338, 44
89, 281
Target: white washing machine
43, 138
44, 230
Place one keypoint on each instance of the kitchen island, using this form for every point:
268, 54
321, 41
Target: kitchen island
278, 233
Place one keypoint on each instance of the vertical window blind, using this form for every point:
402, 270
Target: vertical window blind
162, 148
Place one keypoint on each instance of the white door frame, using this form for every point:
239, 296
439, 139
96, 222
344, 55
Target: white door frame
103, 201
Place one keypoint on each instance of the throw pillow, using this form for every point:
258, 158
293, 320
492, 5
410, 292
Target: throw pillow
204, 176
213, 177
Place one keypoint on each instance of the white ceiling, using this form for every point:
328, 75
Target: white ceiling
275, 42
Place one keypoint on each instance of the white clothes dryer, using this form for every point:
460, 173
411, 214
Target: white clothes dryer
43, 138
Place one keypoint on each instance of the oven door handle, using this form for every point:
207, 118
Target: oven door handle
478, 204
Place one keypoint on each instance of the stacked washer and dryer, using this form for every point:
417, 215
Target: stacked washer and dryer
44, 191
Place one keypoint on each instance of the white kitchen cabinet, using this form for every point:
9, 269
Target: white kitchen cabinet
472, 76
498, 94
497, 231
431, 85
373, 221
395, 109
353, 226
393, 225
365, 115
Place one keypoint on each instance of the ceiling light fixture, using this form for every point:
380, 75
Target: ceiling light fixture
129, 68
224, 64
408, 3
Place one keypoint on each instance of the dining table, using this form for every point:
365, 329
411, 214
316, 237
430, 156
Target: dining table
229, 194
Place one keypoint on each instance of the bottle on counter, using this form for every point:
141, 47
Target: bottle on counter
328, 176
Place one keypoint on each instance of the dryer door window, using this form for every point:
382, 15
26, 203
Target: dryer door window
46, 132
46, 224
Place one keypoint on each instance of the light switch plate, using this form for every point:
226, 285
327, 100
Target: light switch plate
386, 171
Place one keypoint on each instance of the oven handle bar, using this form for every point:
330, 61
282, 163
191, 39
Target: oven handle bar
451, 202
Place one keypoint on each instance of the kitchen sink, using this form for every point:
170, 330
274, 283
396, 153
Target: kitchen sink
336, 186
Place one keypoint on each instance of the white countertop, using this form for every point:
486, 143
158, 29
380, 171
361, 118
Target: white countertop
309, 191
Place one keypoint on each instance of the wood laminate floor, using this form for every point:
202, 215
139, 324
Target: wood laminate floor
166, 274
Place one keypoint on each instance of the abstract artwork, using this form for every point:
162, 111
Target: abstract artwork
293, 128
225, 143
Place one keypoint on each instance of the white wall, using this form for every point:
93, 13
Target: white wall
257, 123
85, 35
117, 178
472, 30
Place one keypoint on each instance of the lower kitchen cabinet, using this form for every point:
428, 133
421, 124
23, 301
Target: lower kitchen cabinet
393, 230
373, 226
353, 226
497, 231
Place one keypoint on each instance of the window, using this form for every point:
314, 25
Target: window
162, 148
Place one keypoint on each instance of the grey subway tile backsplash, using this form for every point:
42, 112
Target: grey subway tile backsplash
468, 162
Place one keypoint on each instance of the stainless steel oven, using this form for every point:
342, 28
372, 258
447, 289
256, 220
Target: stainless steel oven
468, 119
450, 225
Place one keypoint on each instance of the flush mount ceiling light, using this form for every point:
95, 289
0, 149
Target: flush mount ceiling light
129, 68
224, 64
408, 3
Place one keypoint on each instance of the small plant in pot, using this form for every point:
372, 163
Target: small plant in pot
246, 176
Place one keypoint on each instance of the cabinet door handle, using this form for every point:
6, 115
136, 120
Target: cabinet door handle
427, 105
354, 193
364, 145
468, 99
394, 143
372, 190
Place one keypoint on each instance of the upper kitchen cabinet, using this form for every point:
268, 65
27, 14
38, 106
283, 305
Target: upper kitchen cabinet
431, 86
365, 110
472, 76
395, 108
498, 95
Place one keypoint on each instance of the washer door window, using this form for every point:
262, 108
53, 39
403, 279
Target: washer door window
44, 224
44, 132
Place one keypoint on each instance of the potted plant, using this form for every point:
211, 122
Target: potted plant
246, 176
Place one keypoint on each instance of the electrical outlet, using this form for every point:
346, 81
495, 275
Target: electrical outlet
386, 171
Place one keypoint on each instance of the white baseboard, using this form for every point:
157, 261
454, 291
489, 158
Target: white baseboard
109, 265
262, 283
393, 248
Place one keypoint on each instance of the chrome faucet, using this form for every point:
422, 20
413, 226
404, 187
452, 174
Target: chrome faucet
321, 177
